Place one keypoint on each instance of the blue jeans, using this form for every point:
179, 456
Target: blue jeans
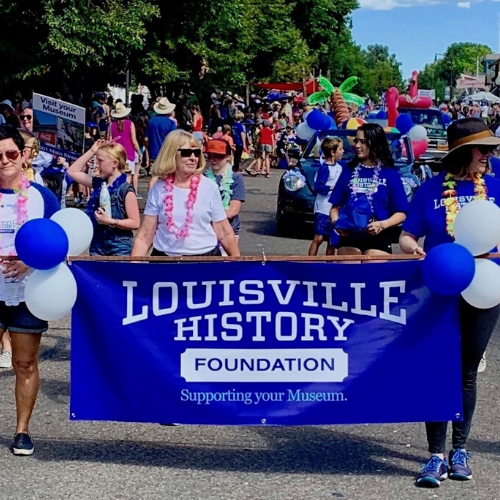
107, 241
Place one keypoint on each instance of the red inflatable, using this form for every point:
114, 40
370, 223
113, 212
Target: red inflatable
411, 100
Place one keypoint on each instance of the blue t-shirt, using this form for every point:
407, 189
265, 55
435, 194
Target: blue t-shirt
238, 128
238, 188
427, 214
388, 198
494, 167
158, 128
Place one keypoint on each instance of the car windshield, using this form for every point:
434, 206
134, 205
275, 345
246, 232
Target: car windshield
313, 148
431, 119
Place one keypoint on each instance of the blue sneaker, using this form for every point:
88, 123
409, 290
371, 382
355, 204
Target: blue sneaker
459, 469
433, 472
22, 445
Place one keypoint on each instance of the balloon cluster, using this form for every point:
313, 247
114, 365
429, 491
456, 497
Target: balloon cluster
452, 269
416, 133
44, 244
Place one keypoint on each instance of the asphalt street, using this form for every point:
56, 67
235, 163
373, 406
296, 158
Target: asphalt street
105, 460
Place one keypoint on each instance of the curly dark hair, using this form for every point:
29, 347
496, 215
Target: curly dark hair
376, 141
9, 132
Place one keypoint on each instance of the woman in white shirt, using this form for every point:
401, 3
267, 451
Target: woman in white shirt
184, 214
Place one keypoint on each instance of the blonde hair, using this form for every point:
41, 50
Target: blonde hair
28, 164
329, 146
116, 152
166, 162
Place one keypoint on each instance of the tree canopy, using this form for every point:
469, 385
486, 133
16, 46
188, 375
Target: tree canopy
185, 46
459, 58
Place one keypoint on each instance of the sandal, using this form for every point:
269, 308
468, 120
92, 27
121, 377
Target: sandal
267, 175
249, 172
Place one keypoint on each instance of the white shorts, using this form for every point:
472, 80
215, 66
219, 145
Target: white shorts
131, 164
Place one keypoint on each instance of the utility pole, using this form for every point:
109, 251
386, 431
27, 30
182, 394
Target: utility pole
127, 82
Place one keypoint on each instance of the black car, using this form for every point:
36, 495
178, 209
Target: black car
296, 196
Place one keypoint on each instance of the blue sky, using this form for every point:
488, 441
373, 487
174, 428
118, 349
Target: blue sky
415, 30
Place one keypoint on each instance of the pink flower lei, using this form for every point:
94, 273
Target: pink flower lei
22, 202
168, 204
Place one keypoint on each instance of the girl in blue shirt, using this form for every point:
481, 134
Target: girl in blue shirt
432, 215
369, 197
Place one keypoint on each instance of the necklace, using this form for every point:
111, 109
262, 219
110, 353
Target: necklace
225, 183
451, 199
168, 205
370, 190
21, 203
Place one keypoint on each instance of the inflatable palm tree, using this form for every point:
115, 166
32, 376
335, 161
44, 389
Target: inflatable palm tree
339, 97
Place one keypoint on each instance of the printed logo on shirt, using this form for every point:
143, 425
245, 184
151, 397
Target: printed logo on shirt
7, 226
367, 185
462, 200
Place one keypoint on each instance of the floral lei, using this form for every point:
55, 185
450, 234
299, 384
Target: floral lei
375, 181
451, 200
22, 202
168, 204
225, 183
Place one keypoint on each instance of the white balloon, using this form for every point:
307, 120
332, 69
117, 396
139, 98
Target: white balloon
477, 226
417, 133
78, 227
484, 291
304, 131
50, 295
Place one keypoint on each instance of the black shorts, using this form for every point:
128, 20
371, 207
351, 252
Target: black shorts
364, 242
19, 319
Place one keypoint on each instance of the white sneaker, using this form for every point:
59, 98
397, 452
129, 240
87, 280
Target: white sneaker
6, 359
482, 364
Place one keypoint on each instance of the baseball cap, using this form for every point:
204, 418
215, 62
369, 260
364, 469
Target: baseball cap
218, 147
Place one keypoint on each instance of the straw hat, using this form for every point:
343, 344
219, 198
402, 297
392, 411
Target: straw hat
470, 132
164, 107
120, 111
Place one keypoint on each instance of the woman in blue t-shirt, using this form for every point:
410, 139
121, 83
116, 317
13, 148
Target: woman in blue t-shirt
369, 197
432, 215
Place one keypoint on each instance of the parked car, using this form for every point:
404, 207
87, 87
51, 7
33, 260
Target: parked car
296, 196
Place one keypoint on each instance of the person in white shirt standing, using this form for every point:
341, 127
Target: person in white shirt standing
21, 201
184, 214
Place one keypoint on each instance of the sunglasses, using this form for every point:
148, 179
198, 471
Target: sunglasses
186, 153
484, 150
11, 155
361, 141
26, 117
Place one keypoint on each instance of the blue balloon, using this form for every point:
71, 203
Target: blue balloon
333, 124
446, 118
42, 244
448, 269
381, 115
318, 120
404, 123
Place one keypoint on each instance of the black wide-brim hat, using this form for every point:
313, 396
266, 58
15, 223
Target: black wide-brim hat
469, 132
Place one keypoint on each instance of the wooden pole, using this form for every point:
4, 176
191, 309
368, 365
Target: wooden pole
250, 258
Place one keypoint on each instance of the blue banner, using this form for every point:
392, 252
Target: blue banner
247, 343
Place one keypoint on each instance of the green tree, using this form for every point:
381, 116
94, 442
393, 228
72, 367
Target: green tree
57, 41
325, 26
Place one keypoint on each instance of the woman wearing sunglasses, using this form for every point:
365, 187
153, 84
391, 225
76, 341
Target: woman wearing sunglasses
26, 118
432, 215
184, 214
20, 201
369, 197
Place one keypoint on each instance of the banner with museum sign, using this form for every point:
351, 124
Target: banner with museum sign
251, 343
